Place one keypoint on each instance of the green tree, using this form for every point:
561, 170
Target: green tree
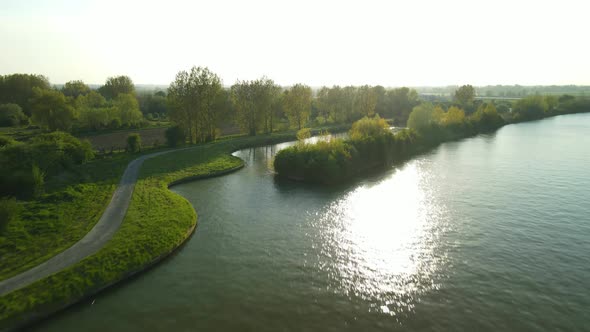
366, 101
18, 89
254, 104
421, 117
297, 103
11, 115
75, 89
134, 143
465, 96
128, 108
175, 136
400, 103
117, 85
51, 110
530, 108
191, 97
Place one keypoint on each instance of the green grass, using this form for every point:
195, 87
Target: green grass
71, 206
156, 222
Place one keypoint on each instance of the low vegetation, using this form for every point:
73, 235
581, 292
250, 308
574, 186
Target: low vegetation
372, 145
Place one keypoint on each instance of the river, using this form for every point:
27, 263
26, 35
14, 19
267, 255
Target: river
490, 233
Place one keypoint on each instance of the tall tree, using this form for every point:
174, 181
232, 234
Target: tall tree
400, 103
75, 89
51, 110
116, 85
366, 101
297, 103
254, 102
18, 89
465, 96
191, 97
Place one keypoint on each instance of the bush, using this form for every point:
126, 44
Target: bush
134, 143
23, 165
369, 127
6, 141
303, 134
175, 136
9, 208
12, 115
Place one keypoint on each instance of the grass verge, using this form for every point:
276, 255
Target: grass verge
156, 223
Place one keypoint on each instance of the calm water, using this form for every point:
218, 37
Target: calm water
489, 233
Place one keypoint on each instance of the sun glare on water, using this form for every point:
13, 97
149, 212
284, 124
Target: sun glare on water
380, 240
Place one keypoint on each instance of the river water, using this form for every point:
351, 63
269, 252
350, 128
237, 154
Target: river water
490, 233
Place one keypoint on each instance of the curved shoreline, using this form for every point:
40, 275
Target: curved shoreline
35, 312
36, 317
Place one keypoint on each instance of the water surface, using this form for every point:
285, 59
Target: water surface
489, 233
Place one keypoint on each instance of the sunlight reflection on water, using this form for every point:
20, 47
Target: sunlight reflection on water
388, 258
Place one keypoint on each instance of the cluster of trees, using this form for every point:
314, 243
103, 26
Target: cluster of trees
347, 104
371, 144
28, 99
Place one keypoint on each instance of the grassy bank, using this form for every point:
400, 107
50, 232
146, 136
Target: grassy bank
156, 222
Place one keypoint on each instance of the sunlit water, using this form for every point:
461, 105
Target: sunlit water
486, 234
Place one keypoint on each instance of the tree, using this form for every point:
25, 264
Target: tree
465, 96
75, 89
420, 118
400, 103
174, 136
454, 116
51, 110
366, 101
134, 143
530, 108
117, 85
254, 103
18, 89
297, 102
11, 115
128, 108
191, 97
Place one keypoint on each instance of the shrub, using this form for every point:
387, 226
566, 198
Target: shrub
369, 127
6, 141
12, 115
134, 143
9, 208
175, 136
303, 134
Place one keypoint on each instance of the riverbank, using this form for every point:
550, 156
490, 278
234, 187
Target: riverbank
157, 222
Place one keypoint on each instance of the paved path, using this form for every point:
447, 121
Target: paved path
98, 236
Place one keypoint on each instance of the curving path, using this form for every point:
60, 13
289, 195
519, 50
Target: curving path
98, 236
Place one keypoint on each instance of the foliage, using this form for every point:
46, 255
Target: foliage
530, 108
175, 136
12, 115
366, 100
253, 102
117, 85
303, 134
421, 118
75, 89
134, 143
191, 97
18, 89
465, 96
369, 127
9, 209
128, 109
51, 110
297, 103
23, 165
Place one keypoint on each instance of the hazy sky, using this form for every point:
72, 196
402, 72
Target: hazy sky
392, 43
